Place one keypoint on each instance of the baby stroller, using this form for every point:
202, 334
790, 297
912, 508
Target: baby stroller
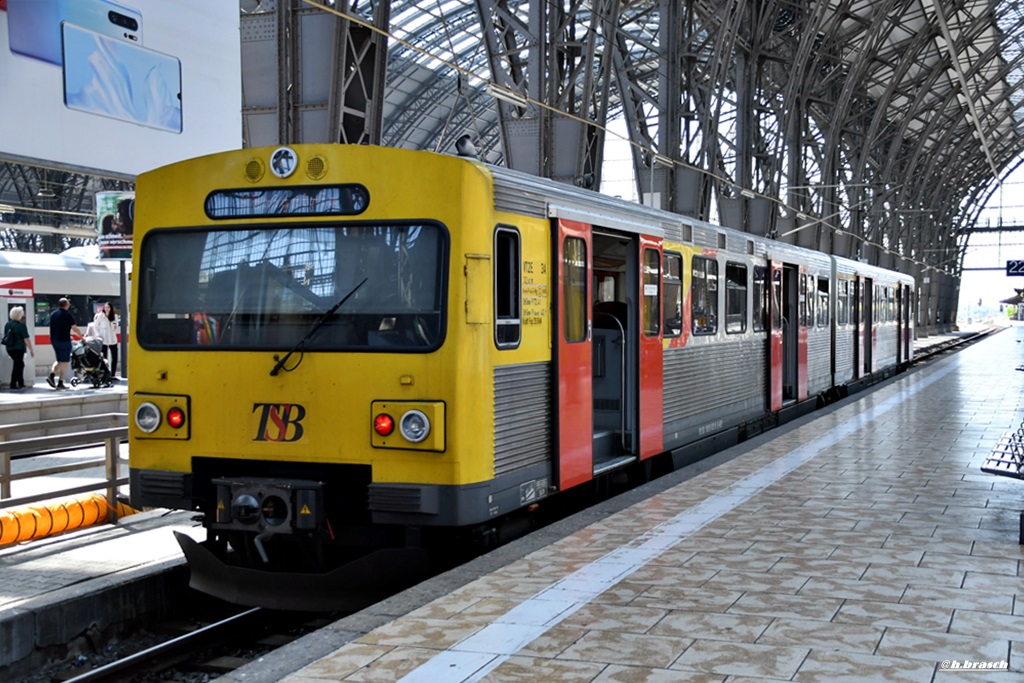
88, 363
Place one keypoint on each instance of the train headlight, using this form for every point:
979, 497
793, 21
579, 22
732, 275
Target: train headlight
147, 417
415, 426
176, 417
384, 424
408, 425
160, 416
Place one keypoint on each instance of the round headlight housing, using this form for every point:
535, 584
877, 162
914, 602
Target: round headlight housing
415, 426
147, 417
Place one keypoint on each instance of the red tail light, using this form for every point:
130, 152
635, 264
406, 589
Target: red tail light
175, 417
384, 424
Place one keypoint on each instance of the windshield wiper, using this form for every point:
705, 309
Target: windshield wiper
316, 326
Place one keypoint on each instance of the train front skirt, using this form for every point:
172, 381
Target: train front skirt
348, 588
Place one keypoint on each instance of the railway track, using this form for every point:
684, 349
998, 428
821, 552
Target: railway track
212, 649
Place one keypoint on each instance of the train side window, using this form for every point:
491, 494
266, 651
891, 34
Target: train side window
843, 302
672, 288
704, 296
735, 298
802, 310
574, 278
652, 306
807, 300
760, 300
776, 299
507, 288
822, 302
82, 307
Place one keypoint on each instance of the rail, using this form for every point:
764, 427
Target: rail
110, 428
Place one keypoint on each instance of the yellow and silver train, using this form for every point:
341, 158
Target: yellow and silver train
341, 351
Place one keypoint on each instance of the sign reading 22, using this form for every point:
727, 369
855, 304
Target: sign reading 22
279, 421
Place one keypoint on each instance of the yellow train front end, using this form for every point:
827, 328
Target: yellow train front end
307, 370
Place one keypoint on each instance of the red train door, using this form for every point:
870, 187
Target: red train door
651, 360
775, 335
573, 355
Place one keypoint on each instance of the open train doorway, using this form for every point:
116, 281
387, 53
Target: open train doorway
790, 333
615, 352
868, 325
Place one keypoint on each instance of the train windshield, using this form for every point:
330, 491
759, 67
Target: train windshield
268, 288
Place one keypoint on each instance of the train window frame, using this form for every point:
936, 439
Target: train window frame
672, 294
575, 291
843, 301
201, 330
83, 307
651, 309
508, 287
776, 294
806, 301
822, 293
703, 296
352, 200
759, 279
735, 295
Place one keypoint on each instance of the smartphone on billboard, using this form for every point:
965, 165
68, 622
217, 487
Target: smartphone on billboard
34, 26
121, 80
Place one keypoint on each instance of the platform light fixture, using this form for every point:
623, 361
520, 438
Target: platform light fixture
749, 194
506, 95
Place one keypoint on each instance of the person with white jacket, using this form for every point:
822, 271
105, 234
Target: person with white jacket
104, 323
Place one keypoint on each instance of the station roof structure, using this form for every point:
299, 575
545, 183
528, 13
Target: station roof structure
872, 129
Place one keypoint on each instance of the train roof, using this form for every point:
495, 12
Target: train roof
522, 193
80, 259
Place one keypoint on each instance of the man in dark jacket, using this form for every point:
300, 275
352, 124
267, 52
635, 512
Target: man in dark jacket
62, 323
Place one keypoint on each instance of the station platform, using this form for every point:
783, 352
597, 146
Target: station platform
40, 402
861, 542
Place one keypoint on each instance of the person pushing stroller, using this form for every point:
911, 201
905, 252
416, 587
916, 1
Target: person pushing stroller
62, 324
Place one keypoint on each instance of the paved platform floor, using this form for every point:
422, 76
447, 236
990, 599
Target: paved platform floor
862, 543
888, 540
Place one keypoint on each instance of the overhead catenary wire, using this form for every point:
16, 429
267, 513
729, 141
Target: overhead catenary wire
484, 80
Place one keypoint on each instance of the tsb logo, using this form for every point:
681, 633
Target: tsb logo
279, 421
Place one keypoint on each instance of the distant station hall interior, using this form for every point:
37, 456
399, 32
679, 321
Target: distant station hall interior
510, 340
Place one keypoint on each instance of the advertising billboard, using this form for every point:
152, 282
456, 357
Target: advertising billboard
115, 224
120, 86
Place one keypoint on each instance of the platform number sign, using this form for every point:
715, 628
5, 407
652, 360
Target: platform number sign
1015, 267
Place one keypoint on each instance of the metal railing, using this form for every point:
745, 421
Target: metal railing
109, 428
